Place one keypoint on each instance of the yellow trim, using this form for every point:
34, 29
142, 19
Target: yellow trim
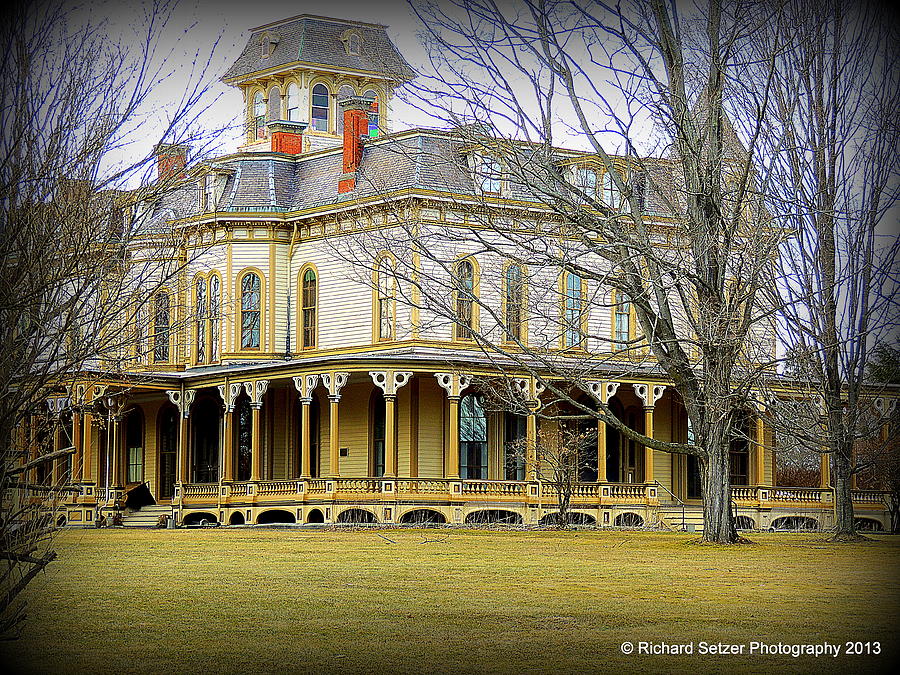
563, 287
239, 310
376, 293
523, 319
329, 85
615, 297
476, 292
301, 307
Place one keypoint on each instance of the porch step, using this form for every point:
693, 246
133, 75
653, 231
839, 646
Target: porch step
146, 516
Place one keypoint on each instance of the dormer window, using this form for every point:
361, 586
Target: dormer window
586, 182
267, 44
352, 41
487, 174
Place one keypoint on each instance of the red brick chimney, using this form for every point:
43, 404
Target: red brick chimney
356, 128
287, 136
171, 159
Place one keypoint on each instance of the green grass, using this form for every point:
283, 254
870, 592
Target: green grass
255, 600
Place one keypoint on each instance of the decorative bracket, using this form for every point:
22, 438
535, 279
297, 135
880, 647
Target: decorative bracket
453, 383
256, 390
649, 395
57, 405
306, 384
389, 381
602, 391
229, 395
183, 402
334, 382
885, 406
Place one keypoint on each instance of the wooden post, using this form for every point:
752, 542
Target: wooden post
390, 438
648, 452
305, 439
531, 447
760, 450
256, 441
451, 463
334, 438
601, 451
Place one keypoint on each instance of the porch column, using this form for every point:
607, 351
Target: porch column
389, 381
649, 394
183, 400
229, 393
454, 385
759, 449
530, 389
602, 391
255, 391
77, 443
334, 382
305, 384
86, 446
115, 449
825, 470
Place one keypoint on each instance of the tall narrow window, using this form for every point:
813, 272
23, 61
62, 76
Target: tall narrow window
515, 292
387, 304
200, 289
622, 322
293, 102
320, 107
134, 442
353, 43
487, 174
574, 311
250, 307
515, 432
274, 103
244, 437
610, 191
259, 116
345, 91
309, 298
373, 112
378, 425
161, 327
472, 438
214, 303
464, 285
168, 447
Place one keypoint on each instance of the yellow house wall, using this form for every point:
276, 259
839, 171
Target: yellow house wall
432, 419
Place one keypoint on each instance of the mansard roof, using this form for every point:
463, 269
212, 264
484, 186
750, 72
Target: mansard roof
320, 41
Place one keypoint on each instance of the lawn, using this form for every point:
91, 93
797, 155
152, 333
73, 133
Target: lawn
261, 601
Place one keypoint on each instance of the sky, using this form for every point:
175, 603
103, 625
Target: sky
197, 25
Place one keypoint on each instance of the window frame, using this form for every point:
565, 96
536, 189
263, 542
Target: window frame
258, 110
521, 335
239, 288
492, 177
306, 310
565, 310
468, 446
162, 339
463, 333
292, 95
313, 107
382, 300
617, 311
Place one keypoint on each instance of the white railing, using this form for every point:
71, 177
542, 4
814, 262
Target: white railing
277, 487
200, 489
493, 488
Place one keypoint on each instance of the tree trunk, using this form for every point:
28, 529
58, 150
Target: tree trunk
844, 520
719, 524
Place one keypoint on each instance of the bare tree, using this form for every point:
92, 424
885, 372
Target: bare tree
662, 206
831, 140
79, 297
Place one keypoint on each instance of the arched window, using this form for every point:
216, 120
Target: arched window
346, 91
243, 432
250, 309
293, 102
274, 103
377, 408
472, 438
622, 322
161, 327
134, 444
201, 318
387, 300
259, 116
168, 448
353, 43
610, 191
574, 311
373, 112
213, 314
464, 287
320, 107
308, 301
515, 296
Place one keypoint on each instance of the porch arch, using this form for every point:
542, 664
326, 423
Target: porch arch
493, 517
